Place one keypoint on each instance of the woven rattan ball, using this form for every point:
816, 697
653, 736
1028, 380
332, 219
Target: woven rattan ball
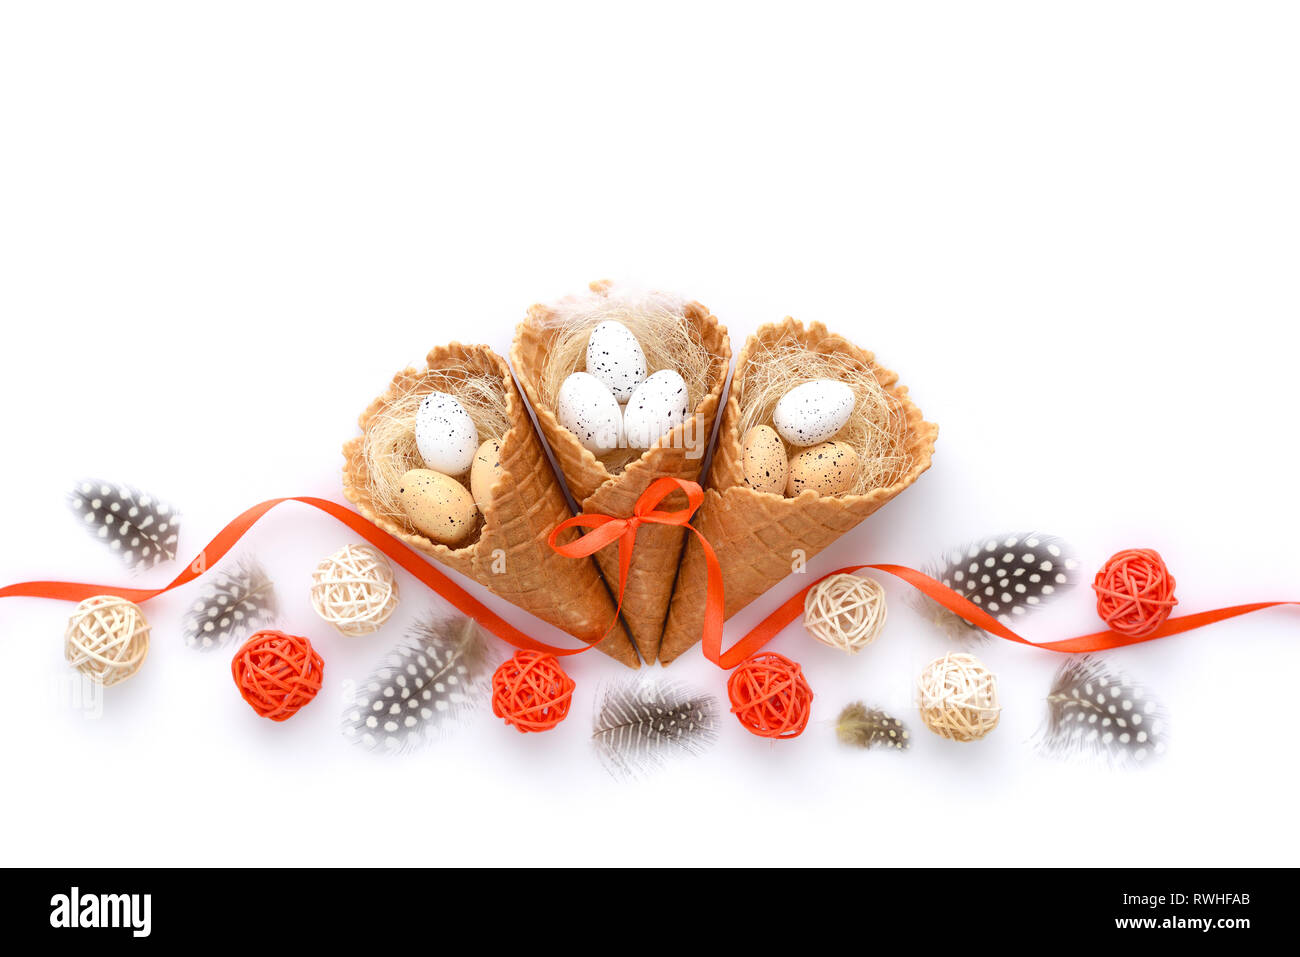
958, 698
354, 590
531, 691
770, 697
277, 674
107, 639
845, 611
1135, 592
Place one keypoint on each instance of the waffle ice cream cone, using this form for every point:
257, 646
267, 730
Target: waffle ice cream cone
509, 555
611, 485
756, 535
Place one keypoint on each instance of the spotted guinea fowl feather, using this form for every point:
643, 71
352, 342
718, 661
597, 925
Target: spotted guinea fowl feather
139, 528
233, 604
436, 676
865, 727
640, 724
1006, 575
1094, 711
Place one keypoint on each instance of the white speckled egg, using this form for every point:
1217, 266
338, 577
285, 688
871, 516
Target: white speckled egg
485, 471
813, 412
658, 405
587, 408
826, 469
438, 506
445, 434
764, 460
615, 358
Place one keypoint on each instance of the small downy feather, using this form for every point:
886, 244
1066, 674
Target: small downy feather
864, 727
641, 723
142, 530
436, 676
234, 603
1094, 711
1006, 575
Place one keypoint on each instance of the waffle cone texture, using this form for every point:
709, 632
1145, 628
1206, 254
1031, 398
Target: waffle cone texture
756, 534
527, 502
679, 453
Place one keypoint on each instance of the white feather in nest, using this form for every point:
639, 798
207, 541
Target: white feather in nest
138, 527
641, 723
234, 603
436, 677
615, 301
1098, 713
1006, 575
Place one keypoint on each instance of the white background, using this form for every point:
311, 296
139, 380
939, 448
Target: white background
1072, 228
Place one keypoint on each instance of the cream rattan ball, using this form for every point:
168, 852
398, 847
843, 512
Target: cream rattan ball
958, 697
845, 611
354, 590
107, 639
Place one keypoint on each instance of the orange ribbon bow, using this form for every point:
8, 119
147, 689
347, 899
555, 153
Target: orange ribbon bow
606, 529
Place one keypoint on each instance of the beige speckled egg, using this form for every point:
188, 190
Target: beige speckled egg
764, 460
485, 471
827, 469
438, 506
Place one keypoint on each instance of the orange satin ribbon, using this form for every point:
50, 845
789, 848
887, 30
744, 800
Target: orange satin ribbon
605, 529
458, 597
769, 627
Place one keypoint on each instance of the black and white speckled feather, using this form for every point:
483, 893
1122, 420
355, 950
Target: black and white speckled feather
436, 676
1098, 712
138, 527
234, 603
864, 727
641, 723
1006, 575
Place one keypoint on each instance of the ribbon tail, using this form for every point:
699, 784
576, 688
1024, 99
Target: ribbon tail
626, 543
226, 539
1107, 640
715, 616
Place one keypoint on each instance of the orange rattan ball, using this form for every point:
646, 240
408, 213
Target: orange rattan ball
531, 692
1135, 592
277, 673
770, 696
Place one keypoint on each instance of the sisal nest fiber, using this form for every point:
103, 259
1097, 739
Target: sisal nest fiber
958, 698
354, 590
877, 429
656, 319
845, 611
388, 446
107, 639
